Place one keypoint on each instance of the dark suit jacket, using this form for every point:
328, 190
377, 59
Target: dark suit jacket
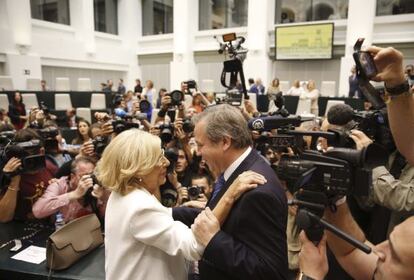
252, 242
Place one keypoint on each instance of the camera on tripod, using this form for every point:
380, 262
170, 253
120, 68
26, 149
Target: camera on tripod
234, 66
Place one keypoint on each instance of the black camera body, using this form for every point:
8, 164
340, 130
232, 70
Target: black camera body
188, 125
144, 106
121, 125
194, 192
99, 144
49, 138
27, 152
338, 172
169, 194
233, 97
191, 85
177, 97
166, 132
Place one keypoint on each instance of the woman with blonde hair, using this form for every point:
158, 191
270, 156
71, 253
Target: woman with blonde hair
142, 241
272, 90
312, 93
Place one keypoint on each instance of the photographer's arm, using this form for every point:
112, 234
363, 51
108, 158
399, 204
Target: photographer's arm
389, 63
401, 118
392, 193
9, 200
203, 98
355, 262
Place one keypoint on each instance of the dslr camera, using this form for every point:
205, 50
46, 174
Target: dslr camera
194, 192
99, 144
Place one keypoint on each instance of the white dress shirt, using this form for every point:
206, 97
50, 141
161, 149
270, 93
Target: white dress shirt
236, 163
142, 241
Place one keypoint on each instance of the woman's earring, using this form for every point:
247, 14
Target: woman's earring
140, 179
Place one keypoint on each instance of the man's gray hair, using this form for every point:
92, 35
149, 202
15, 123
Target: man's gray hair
225, 120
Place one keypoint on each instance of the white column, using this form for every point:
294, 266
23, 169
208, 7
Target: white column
129, 29
360, 24
20, 63
260, 22
82, 20
183, 65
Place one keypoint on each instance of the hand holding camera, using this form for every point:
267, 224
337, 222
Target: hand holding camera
87, 149
389, 63
84, 184
360, 139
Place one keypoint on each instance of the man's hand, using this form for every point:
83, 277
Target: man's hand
172, 177
205, 227
165, 102
87, 149
99, 192
246, 181
312, 259
360, 139
102, 117
389, 65
107, 128
84, 184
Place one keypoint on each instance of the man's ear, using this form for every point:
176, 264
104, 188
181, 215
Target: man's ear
42, 151
226, 143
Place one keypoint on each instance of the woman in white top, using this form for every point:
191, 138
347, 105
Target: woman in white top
296, 89
150, 93
272, 90
312, 93
142, 241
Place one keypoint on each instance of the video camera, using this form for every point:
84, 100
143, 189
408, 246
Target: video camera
50, 142
99, 144
27, 152
234, 66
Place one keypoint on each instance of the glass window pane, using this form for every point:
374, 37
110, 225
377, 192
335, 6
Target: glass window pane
106, 16
51, 10
314, 10
157, 17
394, 7
216, 14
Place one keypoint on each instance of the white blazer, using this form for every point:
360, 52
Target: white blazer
142, 241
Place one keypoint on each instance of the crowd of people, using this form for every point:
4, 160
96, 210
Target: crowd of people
195, 195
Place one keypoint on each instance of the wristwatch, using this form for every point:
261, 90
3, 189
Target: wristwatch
303, 276
400, 89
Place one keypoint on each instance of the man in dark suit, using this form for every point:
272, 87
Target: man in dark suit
251, 243
69, 119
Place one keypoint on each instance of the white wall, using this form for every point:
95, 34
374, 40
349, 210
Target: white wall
37, 45
50, 73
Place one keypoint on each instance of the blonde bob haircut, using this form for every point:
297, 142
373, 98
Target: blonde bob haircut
129, 156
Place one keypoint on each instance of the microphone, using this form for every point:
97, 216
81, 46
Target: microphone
268, 123
340, 114
305, 219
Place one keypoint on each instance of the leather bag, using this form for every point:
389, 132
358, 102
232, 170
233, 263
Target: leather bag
73, 241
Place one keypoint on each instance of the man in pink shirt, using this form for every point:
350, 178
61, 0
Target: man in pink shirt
67, 194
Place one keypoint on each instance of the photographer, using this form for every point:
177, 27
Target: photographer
393, 189
23, 187
392, 259
71, 195
389, 63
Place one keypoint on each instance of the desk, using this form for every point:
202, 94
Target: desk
91, 267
